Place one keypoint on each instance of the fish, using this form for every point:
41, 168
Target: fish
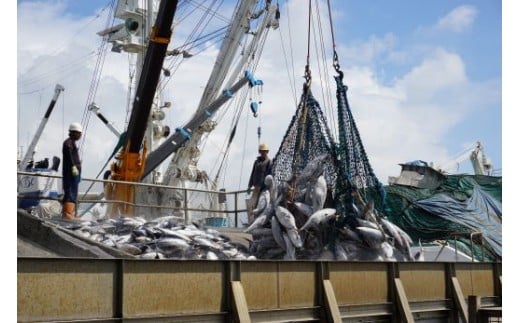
152, 255
366, 224
206, 243
172, 243
129, 248
387, 250
269, 182
316, 193
350, 234
290, 252
282, 192
295, 238
340, 252
263, 201
164, 232
277, 232
392, 231
318, 217
257, 223
285, 218
303, 208
313, 169
373, 237
210, 255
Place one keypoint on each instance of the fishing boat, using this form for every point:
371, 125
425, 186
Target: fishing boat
137, 189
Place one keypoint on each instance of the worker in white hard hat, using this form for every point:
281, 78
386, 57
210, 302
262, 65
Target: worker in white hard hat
261, 168
71, 171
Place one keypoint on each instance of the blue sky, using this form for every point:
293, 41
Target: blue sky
430, 70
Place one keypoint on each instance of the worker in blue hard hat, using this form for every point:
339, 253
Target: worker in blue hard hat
71, 171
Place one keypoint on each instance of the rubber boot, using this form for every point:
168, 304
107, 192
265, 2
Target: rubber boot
68, 212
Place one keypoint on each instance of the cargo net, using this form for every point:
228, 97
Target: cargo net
353, 158
307, 138
353, 163
319, 206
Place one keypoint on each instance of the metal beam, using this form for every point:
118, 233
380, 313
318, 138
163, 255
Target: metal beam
460, 302
330, 302
240, 310
402, 301
183, 134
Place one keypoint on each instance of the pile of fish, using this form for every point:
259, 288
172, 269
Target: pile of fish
162, 238
291, 222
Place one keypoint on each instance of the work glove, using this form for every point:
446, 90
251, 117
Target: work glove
75, 171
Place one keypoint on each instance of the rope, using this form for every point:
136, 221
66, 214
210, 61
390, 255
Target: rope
291, 79
335, 58
323, 71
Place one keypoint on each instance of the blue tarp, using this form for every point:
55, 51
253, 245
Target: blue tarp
481, 212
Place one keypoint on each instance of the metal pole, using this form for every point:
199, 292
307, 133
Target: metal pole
30, 151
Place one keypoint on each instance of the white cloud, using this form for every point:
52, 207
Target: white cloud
366, 50
459, 19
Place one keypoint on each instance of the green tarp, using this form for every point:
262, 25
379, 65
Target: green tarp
462, 205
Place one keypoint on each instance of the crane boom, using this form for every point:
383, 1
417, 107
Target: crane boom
150, 73
131, 159
30, 151
172, 144
480, 163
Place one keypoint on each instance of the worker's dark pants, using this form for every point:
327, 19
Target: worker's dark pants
70, 188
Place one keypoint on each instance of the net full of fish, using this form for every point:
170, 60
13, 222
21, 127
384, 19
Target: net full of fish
299, 225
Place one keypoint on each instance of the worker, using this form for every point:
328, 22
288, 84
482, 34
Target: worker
261, 168
71, 171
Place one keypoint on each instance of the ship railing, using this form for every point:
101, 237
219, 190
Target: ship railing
229, 210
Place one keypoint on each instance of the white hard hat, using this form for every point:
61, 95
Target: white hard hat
76, 126
263, 147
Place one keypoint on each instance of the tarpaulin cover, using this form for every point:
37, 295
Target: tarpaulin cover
480, 213
461, 205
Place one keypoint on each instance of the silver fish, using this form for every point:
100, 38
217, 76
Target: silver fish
373, 237
387, 250
366, 224
295, 238
129, 248
259, 222
172, 243
391, 229
285, 217
206, 243
319, 217
210, 255
173, 234
341, 253
350, 234
290, 252
152, 255
316, 193
277, 232
313, 169
263, 201
305, 209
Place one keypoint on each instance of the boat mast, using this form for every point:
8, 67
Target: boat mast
183, 167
